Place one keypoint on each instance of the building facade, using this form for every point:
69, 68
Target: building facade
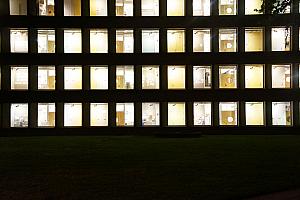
123, 65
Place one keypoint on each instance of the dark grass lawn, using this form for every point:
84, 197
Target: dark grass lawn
132, 167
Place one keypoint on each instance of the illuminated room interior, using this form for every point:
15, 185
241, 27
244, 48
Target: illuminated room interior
281, 76
202, 77
150, 41
19, 41
124, 41
176, 77
228, 113
176, 114
46, 77
150, 77
201, 7
227, 40
19, 78
150, 114
227, 7
251, 6
201, 40
124, 7
99, 114
72, 41
46, 41
98, 7
254, 39
281, 40
125, 77
202, 114
150, 7
254, 76
46, 7
72, 7
175, 7
98, 41
73, 78
18, 7
227, 76
72, 114
255, 113
281, 114
125, 114
46, 114
176, 41
19, 115
99, 77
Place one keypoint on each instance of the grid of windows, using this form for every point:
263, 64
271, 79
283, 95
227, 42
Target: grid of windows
150, 63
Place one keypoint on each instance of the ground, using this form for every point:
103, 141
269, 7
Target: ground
137, 167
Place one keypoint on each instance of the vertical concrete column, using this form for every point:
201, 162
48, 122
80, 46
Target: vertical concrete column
138, 114
295, 6
85, 40
6, 112
4, 7
296, 117
85, 7
112, 40
163, 114
32, 40
215, 40
215, 77
189, 82
241, 39
189, 40
268, 76
190, 114
33, 77
86, 77
86, 114
112, 77
5, 42
138, 77
241, 113
189, 8
241, 77
268, 39
163, 8
59, 115
137, 8
295, 75
163, 76
241, 7
33, 114
59, 7
59, 40
137, 40
268, 113
163, 40
295, 38
214, 7
111, 7
32, 7
215, 113
59, 83
5, 80
112, 114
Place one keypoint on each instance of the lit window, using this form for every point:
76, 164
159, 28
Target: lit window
176, 41
73, 78
46, 7
254, 76
124, 7
98, 7
72, 7
72, 114
201, 7
227, 40
150, 77
124, 41
175, 7
176, 114
281, 40
46, 41
251, 6
99, 114
46, 78
254, 39
46, 114
281, 113
98, 41
99, 78
18, 7
150, 7
202, 77
255, 113
125, 77
19, 78
202, 113
227, 77
19, 41
286, 10
125, 114
228, 113
150, 114
227, 7
281, 76
201, 40
19, 115
72, 41
150, 41
176, 77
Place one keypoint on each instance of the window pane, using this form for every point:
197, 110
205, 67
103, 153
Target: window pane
176, 114
227, 76
46, 114
254, 76
19, 41
46, 7
281, 76
201, 40
255, 113
46, 41
19, 115
19, 78
176, 77
124, 7
251, 5
99, 78
46, 78
124, 41
228, 113
72, 41
254, 39
150, 114
176, 41
98, 7
99, 114
18, 7
125, 77
72, 7
175, 7
281, 113
73, 78
202, 77
150, 77
202, 113
227, 7
281, 40
72, 114
150, 41
150, 7
201, 7
125, 114
98, 41
227, 40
